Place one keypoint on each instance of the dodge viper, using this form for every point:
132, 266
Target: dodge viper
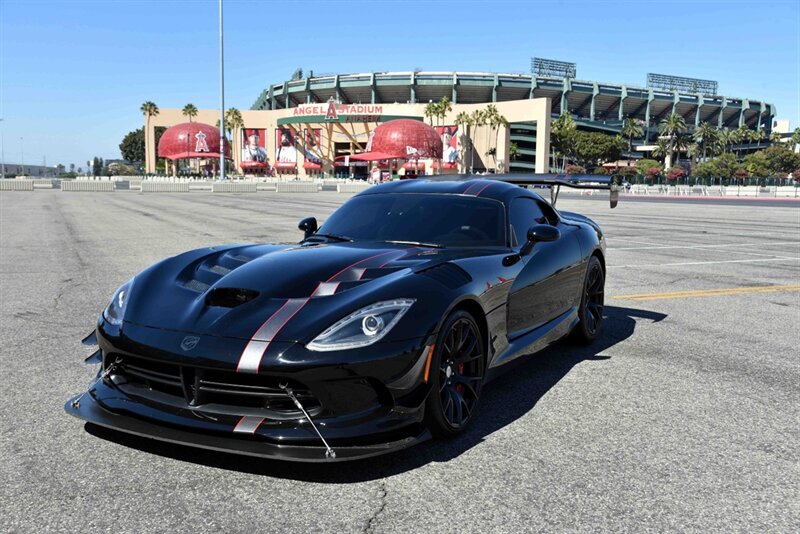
378, 330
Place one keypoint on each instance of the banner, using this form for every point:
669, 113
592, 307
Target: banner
450, 146
254, 145
312, 145
285, 147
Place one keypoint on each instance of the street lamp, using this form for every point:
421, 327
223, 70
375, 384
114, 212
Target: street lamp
221, 99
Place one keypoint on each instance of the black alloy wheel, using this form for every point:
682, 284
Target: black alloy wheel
457, 370
591, 309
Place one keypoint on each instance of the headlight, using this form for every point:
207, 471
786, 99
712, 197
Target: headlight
115, 310
364, 327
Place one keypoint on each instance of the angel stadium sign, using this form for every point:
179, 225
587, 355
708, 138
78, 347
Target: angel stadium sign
336, 112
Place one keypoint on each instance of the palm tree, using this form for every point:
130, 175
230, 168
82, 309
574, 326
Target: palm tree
757, 136
148, 109
189, 110
661, 149
513, 151
631, 130
478, 119
706, 137
234, 123
562, 139
431, 111
443, 107
673, 126
726, 139
464, 119
775, 137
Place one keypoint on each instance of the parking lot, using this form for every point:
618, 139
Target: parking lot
683, 416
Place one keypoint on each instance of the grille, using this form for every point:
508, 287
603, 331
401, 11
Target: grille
197, 386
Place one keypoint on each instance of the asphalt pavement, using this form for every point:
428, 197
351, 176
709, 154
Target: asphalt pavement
682, 417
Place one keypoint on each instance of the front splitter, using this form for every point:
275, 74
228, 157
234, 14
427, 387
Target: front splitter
89, 410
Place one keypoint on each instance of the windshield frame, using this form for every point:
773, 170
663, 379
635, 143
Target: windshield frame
503, 208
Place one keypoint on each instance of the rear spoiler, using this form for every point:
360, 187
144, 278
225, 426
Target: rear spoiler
555, 181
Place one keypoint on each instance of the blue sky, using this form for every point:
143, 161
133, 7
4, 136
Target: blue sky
75, 73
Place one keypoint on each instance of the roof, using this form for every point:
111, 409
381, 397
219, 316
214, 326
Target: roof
458, 185
610, 100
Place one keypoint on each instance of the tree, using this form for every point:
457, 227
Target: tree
233, 125
757, 164
190, 111
430, 111
97, 166
478, 119
149, 109
132, 146
443, 107
631, 130
706, 136
796, 136
563, 132
780, 158
643, 165
775, 137
661, 149
593, 148
513, 151
673, 126
464, 120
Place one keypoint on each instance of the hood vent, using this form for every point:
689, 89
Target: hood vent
230, 297
447, 274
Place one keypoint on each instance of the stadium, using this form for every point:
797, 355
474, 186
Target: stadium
295, 110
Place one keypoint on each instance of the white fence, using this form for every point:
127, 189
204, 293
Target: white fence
87, 186
234, 187
16, 185
148, 186
297, 187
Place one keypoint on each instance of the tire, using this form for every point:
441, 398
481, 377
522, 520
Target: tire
457, 371
590, 312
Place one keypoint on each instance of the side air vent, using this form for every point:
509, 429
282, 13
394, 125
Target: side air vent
230, 297
448, 274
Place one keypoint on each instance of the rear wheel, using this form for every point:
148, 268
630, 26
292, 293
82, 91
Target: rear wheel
457, 371
590, 312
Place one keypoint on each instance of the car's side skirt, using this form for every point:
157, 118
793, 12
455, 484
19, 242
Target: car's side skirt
537, 339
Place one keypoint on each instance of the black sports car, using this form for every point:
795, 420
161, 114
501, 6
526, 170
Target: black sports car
376, 331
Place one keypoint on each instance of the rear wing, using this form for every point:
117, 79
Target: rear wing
556, 181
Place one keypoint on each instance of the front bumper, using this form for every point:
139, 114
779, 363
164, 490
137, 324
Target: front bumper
91, 411
368, 401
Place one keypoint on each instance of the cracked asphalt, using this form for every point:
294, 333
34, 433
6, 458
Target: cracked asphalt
682, 417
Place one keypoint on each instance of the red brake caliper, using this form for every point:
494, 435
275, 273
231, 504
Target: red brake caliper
460, 370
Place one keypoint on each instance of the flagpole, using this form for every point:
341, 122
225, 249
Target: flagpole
221, 100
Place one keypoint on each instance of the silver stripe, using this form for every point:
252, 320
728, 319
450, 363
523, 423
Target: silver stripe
326, 289
254, 351
251, 357
248, 424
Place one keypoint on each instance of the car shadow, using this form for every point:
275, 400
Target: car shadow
504, 400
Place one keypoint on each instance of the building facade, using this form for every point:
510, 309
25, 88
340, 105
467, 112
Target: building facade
311, 138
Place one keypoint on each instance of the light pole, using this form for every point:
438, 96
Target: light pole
22, 154
2, 155
221, 99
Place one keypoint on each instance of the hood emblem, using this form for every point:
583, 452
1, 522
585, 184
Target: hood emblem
189, 342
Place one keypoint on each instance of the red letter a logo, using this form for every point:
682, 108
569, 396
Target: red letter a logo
331, 113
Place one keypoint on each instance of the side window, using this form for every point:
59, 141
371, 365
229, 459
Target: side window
524, 213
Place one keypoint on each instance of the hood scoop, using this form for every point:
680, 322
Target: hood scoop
230, 297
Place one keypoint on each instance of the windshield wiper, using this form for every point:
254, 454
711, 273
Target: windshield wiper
417, 243
331, 236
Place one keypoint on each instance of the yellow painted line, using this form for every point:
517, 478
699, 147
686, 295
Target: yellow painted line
708, 292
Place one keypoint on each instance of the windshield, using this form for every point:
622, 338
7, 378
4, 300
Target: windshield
444, 220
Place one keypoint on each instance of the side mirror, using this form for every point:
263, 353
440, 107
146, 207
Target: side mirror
543, 232
539, 232
308, 226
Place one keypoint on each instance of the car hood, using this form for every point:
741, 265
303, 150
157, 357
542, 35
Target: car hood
230, 291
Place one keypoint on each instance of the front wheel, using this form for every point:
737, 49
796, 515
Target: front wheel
457, 371
590, 313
